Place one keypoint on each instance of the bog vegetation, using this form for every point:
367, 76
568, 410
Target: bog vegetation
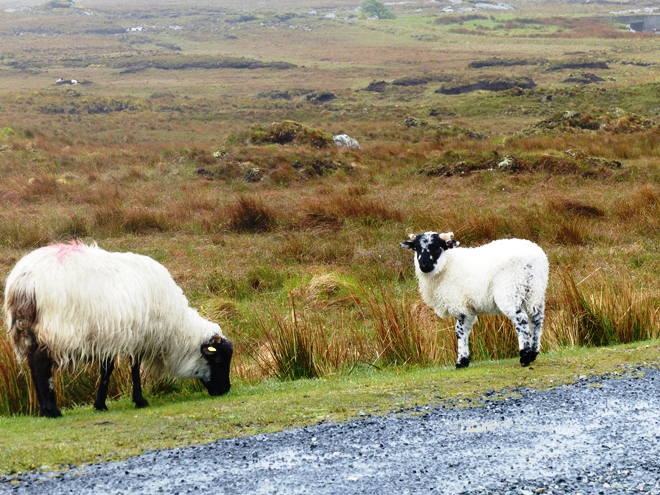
202, 136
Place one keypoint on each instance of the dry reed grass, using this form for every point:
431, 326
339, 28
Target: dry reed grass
331, 210
603, 309
250, 214
406, 333
301, 346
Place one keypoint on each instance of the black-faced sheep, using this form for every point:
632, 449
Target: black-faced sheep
68, 304
507, 276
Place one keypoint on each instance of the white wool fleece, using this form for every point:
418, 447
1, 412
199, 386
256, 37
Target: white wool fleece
506, 274
94, 305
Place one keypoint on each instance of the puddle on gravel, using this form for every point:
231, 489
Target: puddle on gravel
481, 427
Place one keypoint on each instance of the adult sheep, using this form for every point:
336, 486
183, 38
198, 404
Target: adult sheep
507, 276
67, 304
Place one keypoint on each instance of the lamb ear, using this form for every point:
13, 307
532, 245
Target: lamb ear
409, 244
447, 236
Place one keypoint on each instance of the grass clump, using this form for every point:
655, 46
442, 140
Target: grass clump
493, 83
250, 214
187, 63
295, 347
288, 132
406, 332
568, 162
603, 310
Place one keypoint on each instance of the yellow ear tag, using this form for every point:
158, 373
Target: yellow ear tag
211, 349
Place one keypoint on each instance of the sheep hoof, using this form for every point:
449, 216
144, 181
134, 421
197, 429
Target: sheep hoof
527, 357
100, 407
141, 403
464, 362
50, 413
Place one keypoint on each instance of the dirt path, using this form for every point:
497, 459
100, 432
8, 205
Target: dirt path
593, 437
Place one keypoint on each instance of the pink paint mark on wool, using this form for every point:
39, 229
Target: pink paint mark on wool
63, 251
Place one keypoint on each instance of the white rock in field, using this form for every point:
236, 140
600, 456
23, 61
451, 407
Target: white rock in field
345, 141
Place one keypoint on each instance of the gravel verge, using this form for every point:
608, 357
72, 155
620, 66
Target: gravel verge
596, 436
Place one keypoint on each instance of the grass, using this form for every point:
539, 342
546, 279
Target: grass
83, 436
245, 260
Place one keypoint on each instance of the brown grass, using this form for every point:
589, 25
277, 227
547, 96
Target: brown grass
300, 346
603, 309
404, 330
250, 214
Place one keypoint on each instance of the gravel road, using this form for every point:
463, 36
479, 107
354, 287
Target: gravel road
596, 436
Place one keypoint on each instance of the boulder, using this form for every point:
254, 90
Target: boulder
345, 141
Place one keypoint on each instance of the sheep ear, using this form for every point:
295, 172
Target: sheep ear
447, 236
409, 244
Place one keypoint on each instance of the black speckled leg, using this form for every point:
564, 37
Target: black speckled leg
463, 328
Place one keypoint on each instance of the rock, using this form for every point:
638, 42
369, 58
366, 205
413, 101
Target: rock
509, 163
251, 173
345, 141
411, 121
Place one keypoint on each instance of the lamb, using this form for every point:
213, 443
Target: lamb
507, 276
69, 304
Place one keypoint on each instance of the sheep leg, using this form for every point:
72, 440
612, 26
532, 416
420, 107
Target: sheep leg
537, 329
463, 328
41, 366
106, 369
521, 324
139, 400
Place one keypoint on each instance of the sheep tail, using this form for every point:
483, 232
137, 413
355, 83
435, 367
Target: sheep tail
21, 311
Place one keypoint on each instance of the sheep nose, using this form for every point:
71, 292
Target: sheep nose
426, 265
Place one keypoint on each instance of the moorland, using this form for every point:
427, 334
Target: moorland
202, 135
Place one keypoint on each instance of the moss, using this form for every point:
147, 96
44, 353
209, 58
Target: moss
289, 132
493, 83
566, 163
7, 132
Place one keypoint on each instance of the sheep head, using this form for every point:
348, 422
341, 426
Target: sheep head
218, 352
428, 248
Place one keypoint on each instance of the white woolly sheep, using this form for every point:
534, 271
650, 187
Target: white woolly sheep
507, 276
67, 304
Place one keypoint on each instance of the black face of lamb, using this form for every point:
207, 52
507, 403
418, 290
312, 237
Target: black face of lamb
218, 354
428, 248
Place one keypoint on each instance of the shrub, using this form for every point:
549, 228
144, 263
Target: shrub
374, 8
